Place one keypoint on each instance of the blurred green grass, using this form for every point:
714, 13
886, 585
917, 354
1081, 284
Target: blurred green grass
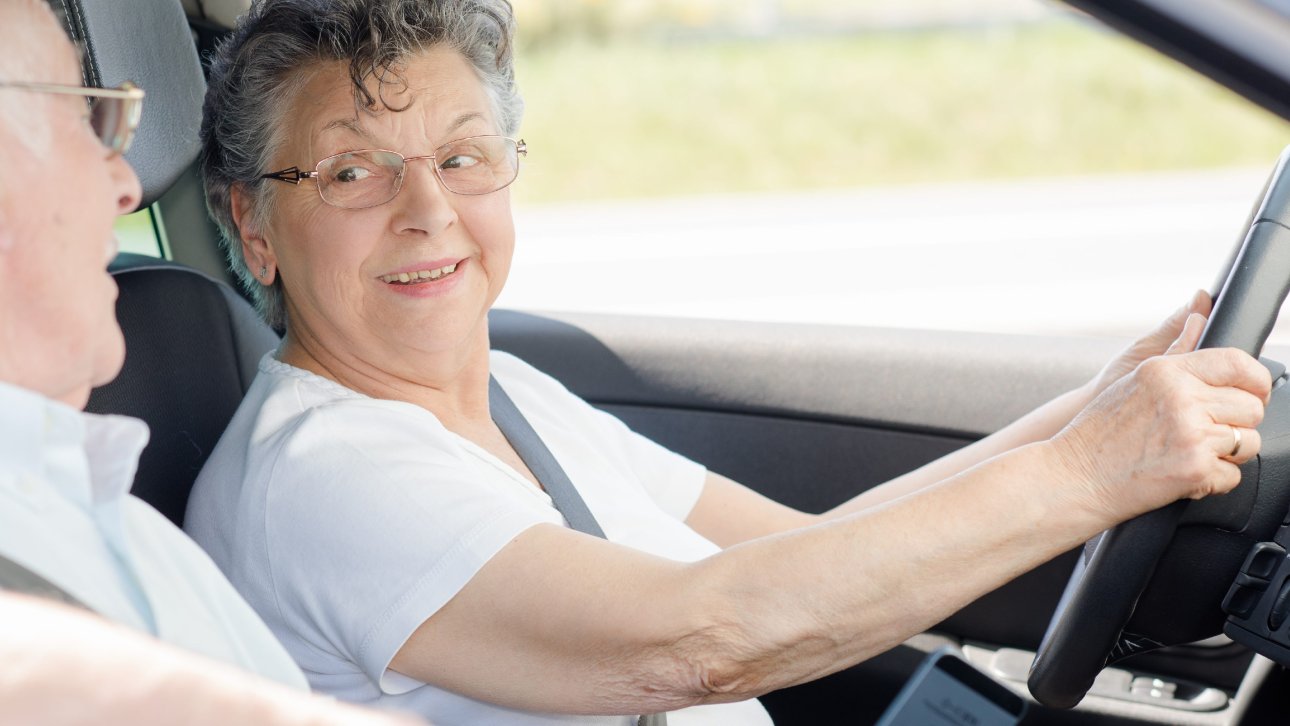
635, 118
135, 233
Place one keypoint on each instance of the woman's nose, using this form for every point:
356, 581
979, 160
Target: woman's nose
423, 204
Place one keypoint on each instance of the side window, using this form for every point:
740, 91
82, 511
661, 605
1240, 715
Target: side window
139, 234
981, 165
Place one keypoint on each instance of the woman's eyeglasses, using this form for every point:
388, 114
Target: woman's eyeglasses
114, 112
359, 179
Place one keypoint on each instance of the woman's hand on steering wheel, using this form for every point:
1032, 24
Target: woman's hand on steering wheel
1153, 343
1177, 426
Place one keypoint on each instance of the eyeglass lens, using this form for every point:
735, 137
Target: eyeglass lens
471, 166
114, 121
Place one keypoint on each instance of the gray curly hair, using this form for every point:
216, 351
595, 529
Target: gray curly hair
257, 71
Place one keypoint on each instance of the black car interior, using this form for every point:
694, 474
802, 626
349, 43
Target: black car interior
808, 415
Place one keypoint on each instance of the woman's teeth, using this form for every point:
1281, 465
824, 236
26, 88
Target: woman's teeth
418, 276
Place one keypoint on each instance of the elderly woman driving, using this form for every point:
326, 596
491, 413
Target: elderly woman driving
364, 499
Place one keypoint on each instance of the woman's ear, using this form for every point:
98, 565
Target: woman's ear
256, 249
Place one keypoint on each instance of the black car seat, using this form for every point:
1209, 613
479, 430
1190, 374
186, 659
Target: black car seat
192, 344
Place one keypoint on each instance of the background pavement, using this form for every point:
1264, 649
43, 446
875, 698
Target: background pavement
1092, 255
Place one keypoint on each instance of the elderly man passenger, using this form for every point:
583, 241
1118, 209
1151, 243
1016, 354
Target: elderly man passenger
65, 512
357, 155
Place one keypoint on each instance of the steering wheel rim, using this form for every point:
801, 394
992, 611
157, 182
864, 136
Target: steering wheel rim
1133, 569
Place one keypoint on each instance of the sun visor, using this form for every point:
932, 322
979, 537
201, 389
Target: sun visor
148, 42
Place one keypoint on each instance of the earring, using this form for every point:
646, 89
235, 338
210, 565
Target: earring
264, 271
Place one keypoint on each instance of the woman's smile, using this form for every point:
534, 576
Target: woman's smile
430, 279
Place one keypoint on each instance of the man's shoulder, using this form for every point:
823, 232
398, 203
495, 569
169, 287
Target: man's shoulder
148, 527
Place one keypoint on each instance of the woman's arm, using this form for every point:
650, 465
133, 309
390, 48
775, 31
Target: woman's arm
728, 513
64, 666
628, 632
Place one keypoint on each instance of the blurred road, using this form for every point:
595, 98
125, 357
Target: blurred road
1095, 255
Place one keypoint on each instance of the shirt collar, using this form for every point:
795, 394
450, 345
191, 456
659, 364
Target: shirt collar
33, 427
112, 445
24, 418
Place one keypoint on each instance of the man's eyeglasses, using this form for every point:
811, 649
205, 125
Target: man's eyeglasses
359, 179
114, 112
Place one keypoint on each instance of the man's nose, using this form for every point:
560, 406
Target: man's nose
129, 191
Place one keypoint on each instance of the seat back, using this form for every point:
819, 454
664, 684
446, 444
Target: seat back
192, 347
192, 343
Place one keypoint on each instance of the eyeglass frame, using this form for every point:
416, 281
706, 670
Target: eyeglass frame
293, 174
127, 91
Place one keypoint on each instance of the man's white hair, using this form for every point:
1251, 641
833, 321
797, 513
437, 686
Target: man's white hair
27, 29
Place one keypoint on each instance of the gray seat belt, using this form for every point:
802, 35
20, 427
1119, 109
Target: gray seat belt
538, 458
16, 578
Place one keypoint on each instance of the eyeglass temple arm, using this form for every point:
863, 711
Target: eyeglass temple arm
291, 176
126, 91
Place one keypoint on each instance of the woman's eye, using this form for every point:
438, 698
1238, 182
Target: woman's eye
351, 174
459, 161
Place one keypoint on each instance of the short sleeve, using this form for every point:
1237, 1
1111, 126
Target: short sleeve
672, 481
375, 518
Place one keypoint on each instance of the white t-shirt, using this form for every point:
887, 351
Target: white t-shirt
347, 521
67, 515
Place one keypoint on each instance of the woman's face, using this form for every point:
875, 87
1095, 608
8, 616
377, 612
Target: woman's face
337, 264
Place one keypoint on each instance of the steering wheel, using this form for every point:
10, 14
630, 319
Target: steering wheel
1159, 579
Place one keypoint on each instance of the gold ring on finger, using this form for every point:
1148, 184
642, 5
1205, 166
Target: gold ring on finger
1236, 441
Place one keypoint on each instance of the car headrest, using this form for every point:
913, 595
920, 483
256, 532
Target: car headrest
148, 42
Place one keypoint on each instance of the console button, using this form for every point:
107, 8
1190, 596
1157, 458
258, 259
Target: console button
1263, 560
1280, 607
1240, 601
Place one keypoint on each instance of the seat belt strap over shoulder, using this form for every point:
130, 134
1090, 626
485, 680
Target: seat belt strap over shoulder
539, 459
17, 578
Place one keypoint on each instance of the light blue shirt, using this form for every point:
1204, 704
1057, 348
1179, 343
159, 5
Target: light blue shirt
66, 514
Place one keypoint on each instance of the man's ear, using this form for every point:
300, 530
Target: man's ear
256, 248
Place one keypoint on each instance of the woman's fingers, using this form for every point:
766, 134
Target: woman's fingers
1164, 338
1234, 445
1173, 327
1188, 336
1170, 429
1240, 444
1229, 367
1229, 406
1200, 302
